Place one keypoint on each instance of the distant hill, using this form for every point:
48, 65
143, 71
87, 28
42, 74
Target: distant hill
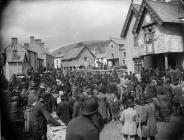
97, 45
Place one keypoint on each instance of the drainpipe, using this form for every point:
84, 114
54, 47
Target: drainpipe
166, 61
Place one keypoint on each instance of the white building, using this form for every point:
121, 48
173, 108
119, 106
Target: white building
57, 60
100, 59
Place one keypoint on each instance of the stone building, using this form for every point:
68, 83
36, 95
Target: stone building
45, 58
79, 56
159, 35
113, 52
19, 58
128, 38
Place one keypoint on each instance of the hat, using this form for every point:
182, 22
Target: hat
167, 80
89, 107
148, 100
130, 103
102, 88
62, 97
42, 85
33, 85
61, 93
45, 96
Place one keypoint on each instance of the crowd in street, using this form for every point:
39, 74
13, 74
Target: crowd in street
85, 101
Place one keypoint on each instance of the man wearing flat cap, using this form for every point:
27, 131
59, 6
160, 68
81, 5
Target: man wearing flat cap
88, 125
41, 116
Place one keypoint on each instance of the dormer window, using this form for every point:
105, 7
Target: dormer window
112, 46
149, 34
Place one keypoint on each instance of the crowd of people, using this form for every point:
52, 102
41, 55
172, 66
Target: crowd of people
87, 100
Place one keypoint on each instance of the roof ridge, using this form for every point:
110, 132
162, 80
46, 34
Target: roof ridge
136, 4
163, 2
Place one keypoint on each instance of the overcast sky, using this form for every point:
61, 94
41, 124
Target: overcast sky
60, 23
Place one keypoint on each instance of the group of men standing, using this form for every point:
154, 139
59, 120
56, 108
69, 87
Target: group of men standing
86, 101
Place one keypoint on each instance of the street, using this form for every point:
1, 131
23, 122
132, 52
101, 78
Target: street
112, 131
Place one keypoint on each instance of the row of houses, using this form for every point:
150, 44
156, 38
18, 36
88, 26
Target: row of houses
152, 37
19, 58
112, 53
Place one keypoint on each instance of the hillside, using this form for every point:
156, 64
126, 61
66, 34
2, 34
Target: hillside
99, 46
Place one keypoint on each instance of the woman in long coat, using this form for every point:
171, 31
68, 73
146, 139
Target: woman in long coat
164, 103
148, 121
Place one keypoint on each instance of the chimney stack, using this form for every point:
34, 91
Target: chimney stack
26, 45
31, 39
38, 41
14, 40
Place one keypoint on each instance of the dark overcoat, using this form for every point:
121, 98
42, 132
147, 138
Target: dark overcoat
81, 128
63, 111
39, 119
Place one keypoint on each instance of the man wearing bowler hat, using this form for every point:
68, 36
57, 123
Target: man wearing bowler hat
88, 125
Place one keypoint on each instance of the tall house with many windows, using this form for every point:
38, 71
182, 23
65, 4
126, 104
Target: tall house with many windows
159, 34
131, 53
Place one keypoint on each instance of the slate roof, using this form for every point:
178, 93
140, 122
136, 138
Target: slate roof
133, 9
118, 41
59, 55
17, 56
161, 12
102, 55
39, 49
29, 49
75, 52
99, 45
167, 12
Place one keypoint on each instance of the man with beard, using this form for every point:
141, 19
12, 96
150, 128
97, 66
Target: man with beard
88, 125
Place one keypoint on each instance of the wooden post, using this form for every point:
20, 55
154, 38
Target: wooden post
166, 61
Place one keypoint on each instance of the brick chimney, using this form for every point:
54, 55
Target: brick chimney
14, 40
26, 45
38, 41
31, 39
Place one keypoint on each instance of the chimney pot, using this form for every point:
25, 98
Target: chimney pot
14, 40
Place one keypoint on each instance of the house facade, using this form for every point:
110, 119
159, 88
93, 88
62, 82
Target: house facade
17, 60
159, 35
32, 56
46, 59
101, 60
79, 56
113, 52
58, 60
130, 52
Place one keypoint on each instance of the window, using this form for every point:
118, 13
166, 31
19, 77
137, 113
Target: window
112, 46
123, 62
135, 40
56, 61
85, 58
112, 55
149, 34
124, 54
137, 65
